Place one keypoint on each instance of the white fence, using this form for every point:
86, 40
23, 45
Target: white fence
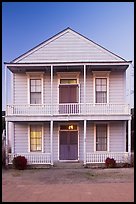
40, 158
120, 157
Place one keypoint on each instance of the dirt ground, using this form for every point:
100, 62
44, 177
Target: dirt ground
63, 176
52, 184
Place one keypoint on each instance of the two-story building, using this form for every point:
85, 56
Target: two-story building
68, 103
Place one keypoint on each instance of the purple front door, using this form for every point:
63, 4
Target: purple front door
68, 144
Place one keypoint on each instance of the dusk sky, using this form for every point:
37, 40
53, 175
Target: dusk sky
110, 24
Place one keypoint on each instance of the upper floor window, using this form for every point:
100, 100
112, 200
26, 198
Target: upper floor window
35, 91
101, 90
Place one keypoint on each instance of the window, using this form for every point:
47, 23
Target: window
68, 81
35, 138
101, 90
101, 137
68, 127
35, 91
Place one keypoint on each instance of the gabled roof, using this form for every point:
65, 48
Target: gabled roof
68, 46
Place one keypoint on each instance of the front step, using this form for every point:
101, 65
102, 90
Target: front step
68, 165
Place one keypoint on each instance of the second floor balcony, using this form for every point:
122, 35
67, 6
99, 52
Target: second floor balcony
76, 109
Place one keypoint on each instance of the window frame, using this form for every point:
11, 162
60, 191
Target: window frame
100, 91
35, 75
101, 75
29, 138
108, 130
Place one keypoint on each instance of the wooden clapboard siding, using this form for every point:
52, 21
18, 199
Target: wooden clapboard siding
68, 47
117, 136
116, 87
21, 138
20, 89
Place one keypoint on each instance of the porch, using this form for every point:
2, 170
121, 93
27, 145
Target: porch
91, 158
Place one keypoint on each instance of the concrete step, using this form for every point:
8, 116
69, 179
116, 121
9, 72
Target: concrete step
68, 165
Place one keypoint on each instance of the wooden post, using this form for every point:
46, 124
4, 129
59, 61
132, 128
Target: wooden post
51, 139
84, 142
129, 138
84, 89
51, 89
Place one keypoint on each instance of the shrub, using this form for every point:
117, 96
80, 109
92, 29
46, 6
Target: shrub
20, 162
3, 157
110, 163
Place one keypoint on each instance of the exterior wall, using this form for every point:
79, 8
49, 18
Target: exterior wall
117, 138
20, 89
21, 138
68, 47
116, 88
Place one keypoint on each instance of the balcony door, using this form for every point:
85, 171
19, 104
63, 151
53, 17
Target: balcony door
68, 97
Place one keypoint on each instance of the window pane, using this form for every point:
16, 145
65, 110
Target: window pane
35, 138
101, 97
101, 90
38, 82
101, 137
32, 82
35, 98
68, 81
38, 89
35, 85
104, 82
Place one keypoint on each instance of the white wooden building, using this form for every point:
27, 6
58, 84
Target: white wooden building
68, 103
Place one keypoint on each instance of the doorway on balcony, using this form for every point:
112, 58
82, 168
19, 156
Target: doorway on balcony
68, 96
68, 143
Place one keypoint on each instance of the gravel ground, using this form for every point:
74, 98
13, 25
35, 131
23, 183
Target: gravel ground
64, 176
68, 185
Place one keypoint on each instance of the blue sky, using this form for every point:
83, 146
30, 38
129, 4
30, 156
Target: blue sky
26, 24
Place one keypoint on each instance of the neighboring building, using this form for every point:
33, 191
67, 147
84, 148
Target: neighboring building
3, 120
68, 103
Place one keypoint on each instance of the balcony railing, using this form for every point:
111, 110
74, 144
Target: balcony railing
67, 109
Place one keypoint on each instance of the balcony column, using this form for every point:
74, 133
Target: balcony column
84, 88
84, 142
51, 89
6, 85
129, 137
51, 139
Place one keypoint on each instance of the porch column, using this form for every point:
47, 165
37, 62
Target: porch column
129, 137
84, 142
51, 89
12, 140
84, 88
51, 137
6, 148
5, 86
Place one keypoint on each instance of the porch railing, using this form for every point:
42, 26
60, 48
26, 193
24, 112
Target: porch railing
99, 157
40, 158
68, 109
